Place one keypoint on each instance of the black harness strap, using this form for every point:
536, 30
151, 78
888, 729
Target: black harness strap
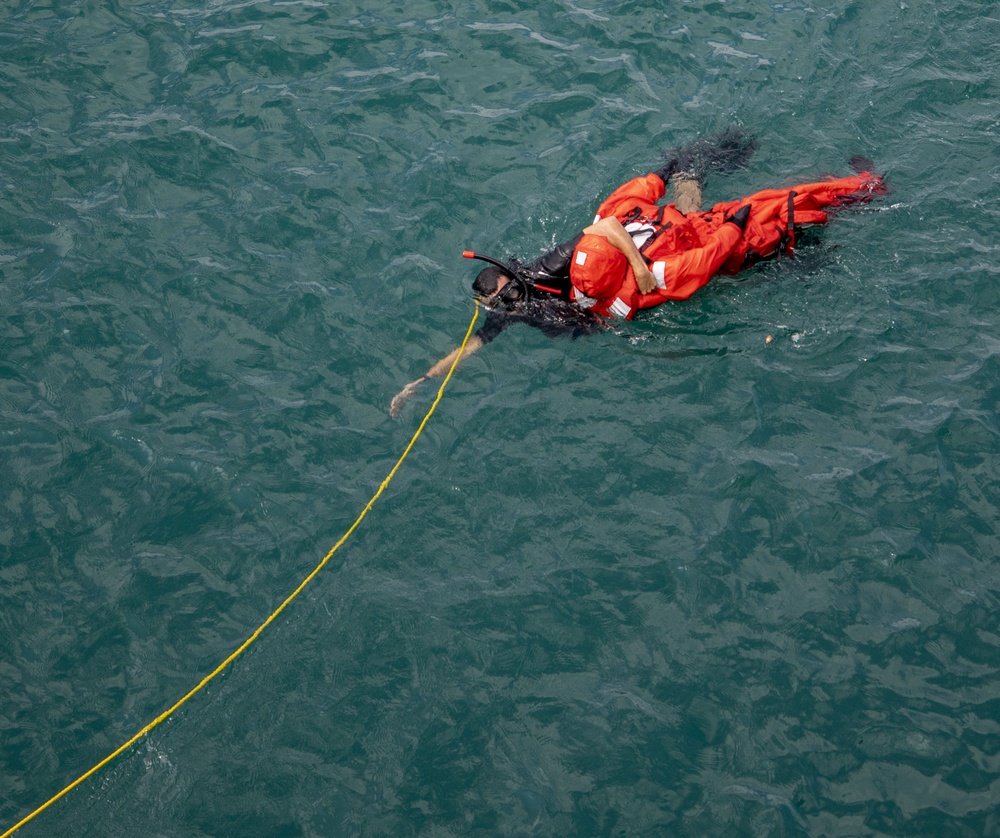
787, 241
636, 215
646, 244
791, 221
632, 216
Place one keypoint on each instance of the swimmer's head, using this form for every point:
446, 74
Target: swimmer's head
486, 282
497, 287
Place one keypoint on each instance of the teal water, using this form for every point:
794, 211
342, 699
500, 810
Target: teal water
670, 581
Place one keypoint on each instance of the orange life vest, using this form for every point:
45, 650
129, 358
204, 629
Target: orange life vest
685, 251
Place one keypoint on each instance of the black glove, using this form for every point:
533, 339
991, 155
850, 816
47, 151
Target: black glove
740, 217
668, 171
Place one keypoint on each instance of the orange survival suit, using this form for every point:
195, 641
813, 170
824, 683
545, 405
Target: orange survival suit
685, 251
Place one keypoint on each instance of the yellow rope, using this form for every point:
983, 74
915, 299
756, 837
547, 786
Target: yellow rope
246, 643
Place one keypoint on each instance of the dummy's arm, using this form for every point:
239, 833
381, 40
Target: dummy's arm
440, 368
612, 230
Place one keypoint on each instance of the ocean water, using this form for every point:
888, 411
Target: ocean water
670, 580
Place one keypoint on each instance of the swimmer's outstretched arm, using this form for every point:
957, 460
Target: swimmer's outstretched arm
439, 369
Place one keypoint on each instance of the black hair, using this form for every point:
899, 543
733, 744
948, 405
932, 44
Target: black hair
485, 283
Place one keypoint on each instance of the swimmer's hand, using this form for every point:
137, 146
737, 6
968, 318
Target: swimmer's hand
645, 280
440, 369
403, 396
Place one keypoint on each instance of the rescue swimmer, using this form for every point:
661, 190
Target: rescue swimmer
639, 253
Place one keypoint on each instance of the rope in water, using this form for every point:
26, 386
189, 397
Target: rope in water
246, 643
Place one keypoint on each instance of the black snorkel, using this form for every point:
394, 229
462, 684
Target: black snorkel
471, 254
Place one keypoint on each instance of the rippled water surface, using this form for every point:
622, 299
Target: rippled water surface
673, 580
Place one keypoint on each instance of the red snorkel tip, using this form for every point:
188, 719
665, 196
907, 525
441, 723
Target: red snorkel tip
468, 254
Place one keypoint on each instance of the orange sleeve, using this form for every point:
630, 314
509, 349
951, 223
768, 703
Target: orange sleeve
648, 188
678, 277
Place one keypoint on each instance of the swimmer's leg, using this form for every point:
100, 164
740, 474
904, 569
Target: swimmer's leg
724, 152
686, 192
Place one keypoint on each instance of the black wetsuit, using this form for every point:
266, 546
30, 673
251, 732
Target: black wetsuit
551, 313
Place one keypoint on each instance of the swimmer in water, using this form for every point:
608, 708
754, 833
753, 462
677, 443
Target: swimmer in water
639, 253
